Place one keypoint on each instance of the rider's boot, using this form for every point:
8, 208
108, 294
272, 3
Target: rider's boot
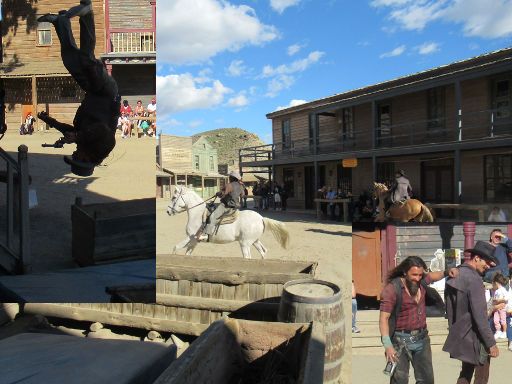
199, 236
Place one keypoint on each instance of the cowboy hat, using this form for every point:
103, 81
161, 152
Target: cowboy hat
484, 250
80, 168
235, 174
401, 172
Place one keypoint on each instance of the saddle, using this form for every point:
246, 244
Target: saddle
229, 217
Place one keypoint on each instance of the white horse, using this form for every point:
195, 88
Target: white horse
247, 229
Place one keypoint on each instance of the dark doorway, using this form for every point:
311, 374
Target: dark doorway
344, 179
309, 187
437, 181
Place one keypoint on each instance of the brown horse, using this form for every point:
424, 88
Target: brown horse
408, 210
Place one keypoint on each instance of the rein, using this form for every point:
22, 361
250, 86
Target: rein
197, 205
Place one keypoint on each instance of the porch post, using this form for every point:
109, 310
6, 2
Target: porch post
313, 120
34, 96
374, 124
458, 182
458, 110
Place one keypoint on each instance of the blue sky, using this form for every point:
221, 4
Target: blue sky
224, 64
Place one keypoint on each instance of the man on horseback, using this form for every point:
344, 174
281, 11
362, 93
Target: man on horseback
401, 189
229, 202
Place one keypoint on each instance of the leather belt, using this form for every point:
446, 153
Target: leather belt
413, 332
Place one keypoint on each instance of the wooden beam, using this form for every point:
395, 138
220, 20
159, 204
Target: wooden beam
34, 95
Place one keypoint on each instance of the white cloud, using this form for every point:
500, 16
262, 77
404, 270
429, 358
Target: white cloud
292, 103
395, 52
279, 83
175, 123
296, 66
427, 48
182, 92
293, 49
195, 123
487, 19
197, 30
236, 68
280, 5
238, 101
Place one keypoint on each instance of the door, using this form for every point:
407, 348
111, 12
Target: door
366, 262
309, 187
437, 185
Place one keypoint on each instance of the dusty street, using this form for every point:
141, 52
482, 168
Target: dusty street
128, 173
328, 243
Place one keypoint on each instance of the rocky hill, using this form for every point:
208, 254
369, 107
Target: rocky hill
228, 141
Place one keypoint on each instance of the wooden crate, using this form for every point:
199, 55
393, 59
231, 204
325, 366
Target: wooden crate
192, 292
113, 231
231, 351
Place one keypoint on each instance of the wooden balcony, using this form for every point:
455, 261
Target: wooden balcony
422, 135
130, 41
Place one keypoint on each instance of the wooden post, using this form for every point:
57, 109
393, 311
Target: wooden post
34, 95
469, 230
458, 181
24, 214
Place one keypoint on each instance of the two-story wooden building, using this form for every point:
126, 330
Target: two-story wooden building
31, 70
449, 128
191, 161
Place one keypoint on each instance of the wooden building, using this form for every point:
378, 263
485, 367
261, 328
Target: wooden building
449, 128
191, 162
31, 69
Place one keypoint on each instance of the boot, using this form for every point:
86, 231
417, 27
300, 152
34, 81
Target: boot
83, 9
50, 17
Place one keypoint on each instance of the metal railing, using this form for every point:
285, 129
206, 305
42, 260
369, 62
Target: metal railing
132, 42
15, 244
468, 126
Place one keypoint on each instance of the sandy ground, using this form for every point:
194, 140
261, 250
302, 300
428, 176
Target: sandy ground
328, 243
128, 173
368, 368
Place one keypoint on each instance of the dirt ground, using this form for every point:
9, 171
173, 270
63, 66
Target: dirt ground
328, 243
128, 173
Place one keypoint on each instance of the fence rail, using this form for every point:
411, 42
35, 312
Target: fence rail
132, 42
15, 244
469, 126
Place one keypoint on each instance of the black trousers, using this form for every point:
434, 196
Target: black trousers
88, 72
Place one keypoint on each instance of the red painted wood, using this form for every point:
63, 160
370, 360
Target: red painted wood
469, 230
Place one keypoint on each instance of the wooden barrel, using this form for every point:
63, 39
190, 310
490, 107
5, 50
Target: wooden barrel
303, 301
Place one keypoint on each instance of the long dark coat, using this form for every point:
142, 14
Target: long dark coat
466, 310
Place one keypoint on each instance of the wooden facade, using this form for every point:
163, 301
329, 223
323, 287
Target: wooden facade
191, 163
449, 128
31, 68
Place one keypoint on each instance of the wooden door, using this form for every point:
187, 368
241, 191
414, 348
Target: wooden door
366, 262
437, 184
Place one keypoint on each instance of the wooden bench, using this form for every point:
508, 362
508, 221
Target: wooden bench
140, 118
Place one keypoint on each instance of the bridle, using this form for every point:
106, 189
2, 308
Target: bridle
173, 209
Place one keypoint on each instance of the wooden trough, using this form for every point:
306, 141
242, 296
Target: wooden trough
241, 351
193, 292
109, 232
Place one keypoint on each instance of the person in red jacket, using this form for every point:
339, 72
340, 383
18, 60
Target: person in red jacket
95, 121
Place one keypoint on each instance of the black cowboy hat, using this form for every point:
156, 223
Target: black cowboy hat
485, 250
80, 168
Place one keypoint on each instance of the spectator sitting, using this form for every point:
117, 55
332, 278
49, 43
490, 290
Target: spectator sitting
125, 108
152, 107
497, 215
125, 126
331, 195
139, 111
27, 128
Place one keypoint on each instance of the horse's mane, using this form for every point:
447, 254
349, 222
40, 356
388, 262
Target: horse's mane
380, 187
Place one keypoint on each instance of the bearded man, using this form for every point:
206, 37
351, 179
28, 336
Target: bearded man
402, 320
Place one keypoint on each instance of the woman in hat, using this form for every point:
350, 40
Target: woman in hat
229, 200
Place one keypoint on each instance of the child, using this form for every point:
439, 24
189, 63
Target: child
499, 284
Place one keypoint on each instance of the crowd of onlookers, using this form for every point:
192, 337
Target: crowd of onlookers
132, 119
269, 195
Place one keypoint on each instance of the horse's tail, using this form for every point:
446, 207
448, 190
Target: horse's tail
279, 231
425, 215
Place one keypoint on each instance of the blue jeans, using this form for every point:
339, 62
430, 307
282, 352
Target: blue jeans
420, 356
509, 326
354, 312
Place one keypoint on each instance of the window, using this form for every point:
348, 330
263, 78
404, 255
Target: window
498, 178
44, 33
502, 105
384, 124
347, 123
285, 133
386, 173
288, 181
212, 168
196, 162
436, 111
344, 179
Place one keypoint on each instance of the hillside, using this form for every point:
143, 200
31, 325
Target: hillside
228, 141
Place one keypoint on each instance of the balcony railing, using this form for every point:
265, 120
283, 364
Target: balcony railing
132, 42
473, 126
